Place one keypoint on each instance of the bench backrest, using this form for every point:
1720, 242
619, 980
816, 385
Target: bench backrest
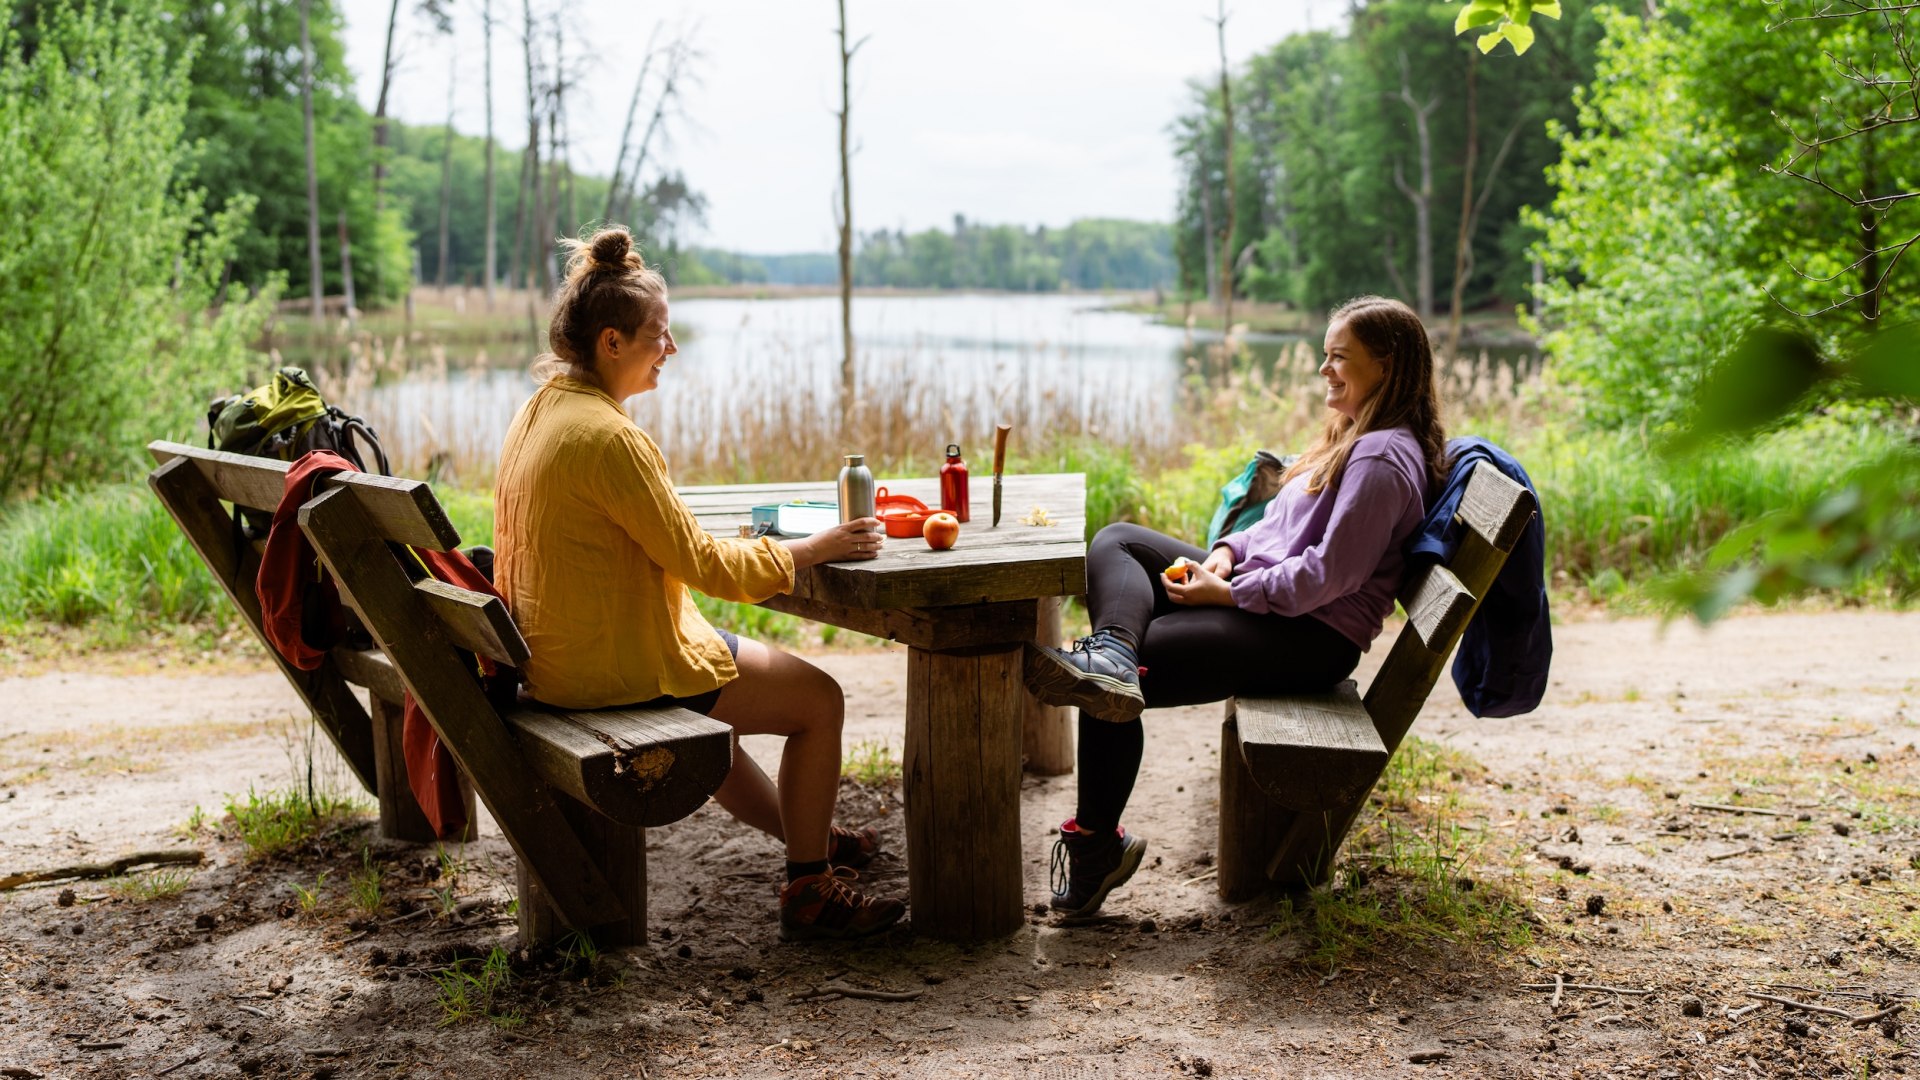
1440, 600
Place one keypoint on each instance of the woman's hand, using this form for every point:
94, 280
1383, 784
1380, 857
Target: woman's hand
1202, 588
1219, 562
857, 539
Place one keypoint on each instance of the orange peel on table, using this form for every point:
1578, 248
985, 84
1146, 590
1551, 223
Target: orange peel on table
1039, 517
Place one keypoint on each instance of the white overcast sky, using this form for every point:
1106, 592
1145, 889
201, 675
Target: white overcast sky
1008, 111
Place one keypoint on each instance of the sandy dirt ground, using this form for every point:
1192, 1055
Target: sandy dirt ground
1580, 844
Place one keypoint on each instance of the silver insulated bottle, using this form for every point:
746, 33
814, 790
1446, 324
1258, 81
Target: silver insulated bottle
856, 489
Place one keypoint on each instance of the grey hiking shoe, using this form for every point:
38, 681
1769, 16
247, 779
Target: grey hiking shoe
1099, 675
1087, 866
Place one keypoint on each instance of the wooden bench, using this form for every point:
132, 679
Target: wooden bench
1296, 771
572, 791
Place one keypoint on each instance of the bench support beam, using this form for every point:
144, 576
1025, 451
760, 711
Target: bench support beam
1046, 737
619, 852
400, 816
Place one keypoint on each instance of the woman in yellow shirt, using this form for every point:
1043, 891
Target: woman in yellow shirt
596, 553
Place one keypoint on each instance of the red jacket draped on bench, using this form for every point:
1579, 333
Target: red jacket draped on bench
300, 612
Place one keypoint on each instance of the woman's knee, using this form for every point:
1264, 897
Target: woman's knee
1119, 535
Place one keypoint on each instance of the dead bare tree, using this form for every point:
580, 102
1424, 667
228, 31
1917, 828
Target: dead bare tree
446, 174
530, 188
1470, 207
626, 131
493, 225
388, 63
1225, 248
680, 56
1422, 196
315, 281
846, 223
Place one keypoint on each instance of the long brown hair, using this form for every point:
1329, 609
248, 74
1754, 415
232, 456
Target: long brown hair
1406, 397
608, 284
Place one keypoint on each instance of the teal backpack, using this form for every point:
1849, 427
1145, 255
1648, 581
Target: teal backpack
1244, 498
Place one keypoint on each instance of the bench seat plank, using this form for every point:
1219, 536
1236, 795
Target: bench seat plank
1311, 751
644, 767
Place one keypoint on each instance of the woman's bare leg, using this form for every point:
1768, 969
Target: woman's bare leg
748, 794
778, 693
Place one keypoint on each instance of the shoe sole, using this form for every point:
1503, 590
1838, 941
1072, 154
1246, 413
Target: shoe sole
1131, 853
821, 933
1056, 682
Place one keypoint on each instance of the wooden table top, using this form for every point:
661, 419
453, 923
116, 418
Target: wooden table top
1015, 561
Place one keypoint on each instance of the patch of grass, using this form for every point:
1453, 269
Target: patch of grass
871, 763
272, 823
195, 824
1406, 879
364, 885
158, 884
472, 989
310, 898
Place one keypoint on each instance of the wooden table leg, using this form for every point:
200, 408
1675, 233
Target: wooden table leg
962, 779
1046, 736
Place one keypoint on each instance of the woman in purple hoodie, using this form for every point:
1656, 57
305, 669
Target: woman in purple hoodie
1284, 607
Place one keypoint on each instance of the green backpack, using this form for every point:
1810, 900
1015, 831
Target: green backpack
1244, 498
287, 418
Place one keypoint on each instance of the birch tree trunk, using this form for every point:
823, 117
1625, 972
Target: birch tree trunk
846, 228
1421, 197
380, 113
1225, 248
493, 224
614, 186
446, 178
316, 283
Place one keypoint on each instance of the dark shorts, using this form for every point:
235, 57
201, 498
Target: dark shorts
700, 703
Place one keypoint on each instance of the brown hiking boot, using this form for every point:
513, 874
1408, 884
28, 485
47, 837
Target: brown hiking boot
852, 847
823, 906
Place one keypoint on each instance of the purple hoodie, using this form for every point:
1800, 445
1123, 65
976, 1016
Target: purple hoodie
1337, 555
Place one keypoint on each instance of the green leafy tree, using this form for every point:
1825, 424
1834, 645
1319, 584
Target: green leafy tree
113, 328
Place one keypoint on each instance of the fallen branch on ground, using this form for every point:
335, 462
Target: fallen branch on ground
192, 857
1735, 1014
1803, 1006
830, 990
1725, 855
1558, 984
1726, 809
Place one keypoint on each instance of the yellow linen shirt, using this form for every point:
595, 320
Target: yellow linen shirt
596, 552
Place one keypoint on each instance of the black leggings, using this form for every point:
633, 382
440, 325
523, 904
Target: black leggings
1191, 655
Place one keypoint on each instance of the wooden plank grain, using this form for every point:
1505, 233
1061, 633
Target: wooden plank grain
1496, 507
928, 628
477, 622
638, 767
194, 505
402, 510
1437, 605
1311, 751
525, 806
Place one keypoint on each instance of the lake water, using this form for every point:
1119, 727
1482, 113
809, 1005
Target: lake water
751, 374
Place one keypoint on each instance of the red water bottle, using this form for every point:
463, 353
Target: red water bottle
953, 483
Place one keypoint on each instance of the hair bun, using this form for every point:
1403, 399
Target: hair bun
610, 248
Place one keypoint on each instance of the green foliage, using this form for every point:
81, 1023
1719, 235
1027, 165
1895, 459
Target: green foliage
364, 885
111, 330
1321, 131
309, 898
245, 114
109, 555
871, 763
1092, 253
473, 990
159, 884
1512, 21
279, 820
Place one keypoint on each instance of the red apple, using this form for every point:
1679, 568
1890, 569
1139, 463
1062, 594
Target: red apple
942, 530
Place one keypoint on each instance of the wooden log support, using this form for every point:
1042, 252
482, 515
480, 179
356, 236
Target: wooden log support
1251, 823
1310, 751
195, 506
962, 780
619, 854
1046, 733
525, 806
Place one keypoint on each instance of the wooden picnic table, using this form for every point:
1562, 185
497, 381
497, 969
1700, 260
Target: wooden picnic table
964, 615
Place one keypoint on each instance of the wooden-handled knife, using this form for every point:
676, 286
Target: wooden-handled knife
999, 464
